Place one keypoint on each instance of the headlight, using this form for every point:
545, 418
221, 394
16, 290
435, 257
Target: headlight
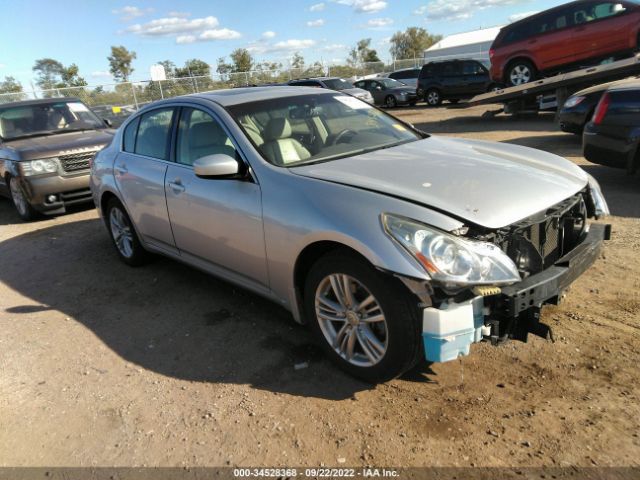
599, 203
39, 167
573, 101
452, 259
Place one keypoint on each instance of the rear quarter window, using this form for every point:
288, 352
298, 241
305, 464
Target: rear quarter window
129, 136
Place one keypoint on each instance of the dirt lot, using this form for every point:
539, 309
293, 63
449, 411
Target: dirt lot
101, 364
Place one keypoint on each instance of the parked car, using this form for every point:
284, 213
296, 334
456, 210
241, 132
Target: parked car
453, 80
333, 83
579, 107
408, 76
613, 134
388, 92
565, 37
390, 244
45, 150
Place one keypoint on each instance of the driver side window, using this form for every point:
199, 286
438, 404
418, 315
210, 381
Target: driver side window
199, 135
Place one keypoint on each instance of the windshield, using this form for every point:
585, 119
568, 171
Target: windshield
45, 119
337, 84
305, 129
391, 83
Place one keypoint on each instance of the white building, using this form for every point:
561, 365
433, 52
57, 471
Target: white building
474, 45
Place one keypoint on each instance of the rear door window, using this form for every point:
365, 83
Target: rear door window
130, 136
154, 133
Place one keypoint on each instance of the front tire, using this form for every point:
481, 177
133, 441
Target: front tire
390, 101
432, 97
520, 72
365, 321
123, 235
20, 202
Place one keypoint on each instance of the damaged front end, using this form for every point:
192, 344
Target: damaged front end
550, 250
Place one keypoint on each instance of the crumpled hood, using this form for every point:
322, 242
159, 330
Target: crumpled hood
490, 184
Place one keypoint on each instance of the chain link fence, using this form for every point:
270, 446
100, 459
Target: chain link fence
117, 101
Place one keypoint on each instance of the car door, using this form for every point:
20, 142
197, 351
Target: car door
377, 91
476, 77
550, 42
139, 171
216, 222
453, 84
601, 28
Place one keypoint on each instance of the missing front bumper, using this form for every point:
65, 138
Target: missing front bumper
449, 331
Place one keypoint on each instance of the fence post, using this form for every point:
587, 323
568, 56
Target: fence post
160, 85
246, 78
133, 90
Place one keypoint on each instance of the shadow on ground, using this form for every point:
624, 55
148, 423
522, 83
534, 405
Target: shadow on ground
167, 317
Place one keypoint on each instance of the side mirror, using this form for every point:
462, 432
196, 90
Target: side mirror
216, 165
378, 87
107, 122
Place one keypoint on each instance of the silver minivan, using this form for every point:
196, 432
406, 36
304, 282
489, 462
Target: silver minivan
392, 245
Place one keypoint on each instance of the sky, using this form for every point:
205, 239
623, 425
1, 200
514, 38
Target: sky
82, 32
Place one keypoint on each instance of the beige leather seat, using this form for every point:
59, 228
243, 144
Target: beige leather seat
279, 147
206, 138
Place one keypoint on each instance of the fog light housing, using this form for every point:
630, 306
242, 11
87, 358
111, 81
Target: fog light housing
52, 198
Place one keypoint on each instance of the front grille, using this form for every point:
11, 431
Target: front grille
537, 243
75, 162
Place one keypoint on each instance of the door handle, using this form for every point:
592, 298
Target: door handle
176, 186
121, 169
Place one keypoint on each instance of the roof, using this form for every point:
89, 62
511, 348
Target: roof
40, 101
466, 38
633, 84
235, 96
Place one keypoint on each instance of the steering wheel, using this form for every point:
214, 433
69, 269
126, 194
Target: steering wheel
340, 136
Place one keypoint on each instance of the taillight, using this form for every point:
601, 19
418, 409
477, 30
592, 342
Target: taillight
601, 109
491, 52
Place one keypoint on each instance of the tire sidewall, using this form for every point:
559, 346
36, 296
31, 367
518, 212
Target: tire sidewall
140, 255
30, 212
404, 346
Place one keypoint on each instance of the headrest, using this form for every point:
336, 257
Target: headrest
205, 134
277, 128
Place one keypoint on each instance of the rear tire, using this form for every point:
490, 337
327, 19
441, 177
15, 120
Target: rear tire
20, 202
432, 97
520, 72
373, 350
124, 237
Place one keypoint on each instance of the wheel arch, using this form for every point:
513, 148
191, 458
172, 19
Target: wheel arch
308, 256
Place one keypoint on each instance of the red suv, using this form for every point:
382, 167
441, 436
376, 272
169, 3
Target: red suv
562, 36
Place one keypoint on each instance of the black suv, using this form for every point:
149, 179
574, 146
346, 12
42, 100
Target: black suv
453, 80
46, 147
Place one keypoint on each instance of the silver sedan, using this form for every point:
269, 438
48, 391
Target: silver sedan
392, 245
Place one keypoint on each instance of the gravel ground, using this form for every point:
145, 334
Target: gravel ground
101, 364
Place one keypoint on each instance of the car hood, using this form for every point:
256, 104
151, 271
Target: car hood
486, 183
59, 144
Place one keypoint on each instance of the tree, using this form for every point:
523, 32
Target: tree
223, 67
411, 43
120, 63
194, 68
362, 53
70, 78
10, 85
242, 60
297, 61
48, 72
169, 68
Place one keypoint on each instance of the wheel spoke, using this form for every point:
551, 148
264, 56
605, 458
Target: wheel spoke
329, 305
366, 349
348, 294
364, 303
337, 290
351, 343
374, 318
331, 318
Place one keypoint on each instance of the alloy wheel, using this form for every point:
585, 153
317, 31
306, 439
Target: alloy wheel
390, 102
520, 74
351, 320
433, 97
17, 195
121, 232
